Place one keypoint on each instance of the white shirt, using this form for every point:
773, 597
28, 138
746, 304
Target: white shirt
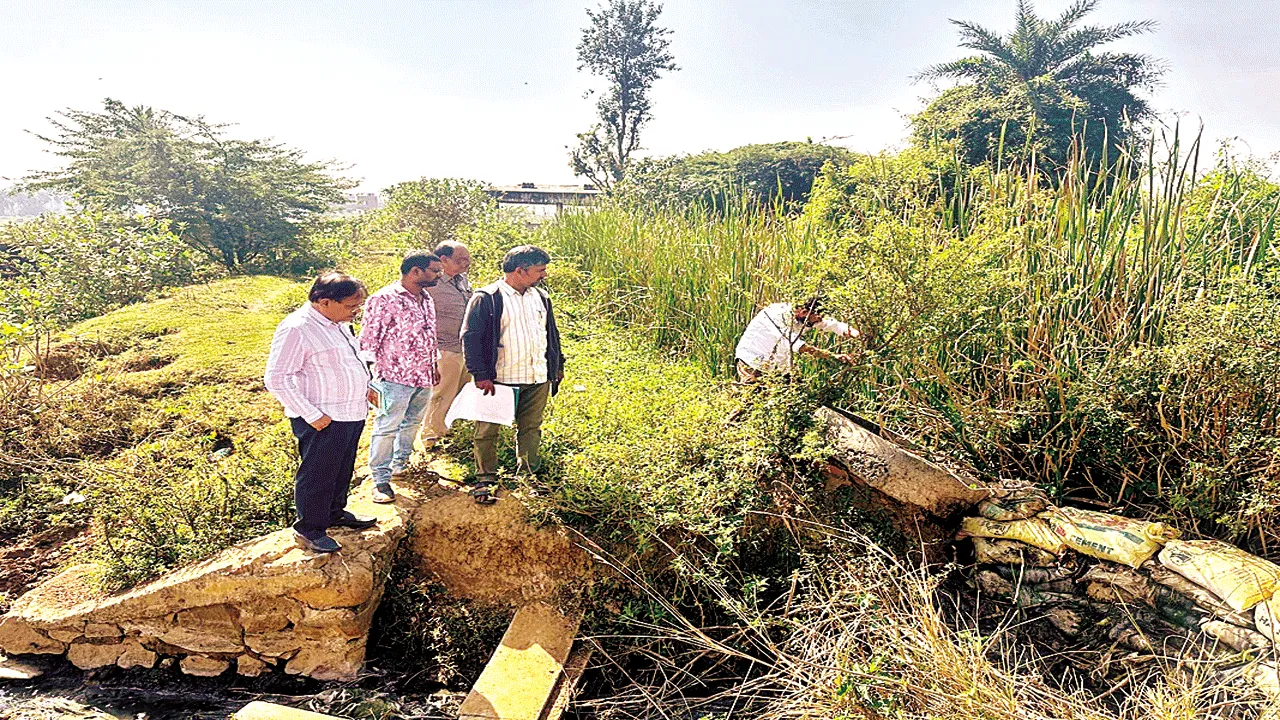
773, 336
522, 344
314, 368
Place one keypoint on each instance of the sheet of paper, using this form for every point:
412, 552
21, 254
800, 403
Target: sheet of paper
473, 404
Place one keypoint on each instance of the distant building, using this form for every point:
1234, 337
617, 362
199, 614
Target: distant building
360, 202
552, 197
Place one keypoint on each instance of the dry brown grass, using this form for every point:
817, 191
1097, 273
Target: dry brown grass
857, 634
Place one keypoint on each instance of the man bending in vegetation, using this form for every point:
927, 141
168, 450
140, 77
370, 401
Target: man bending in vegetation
399, 338
314, 371
775, 334
510, 338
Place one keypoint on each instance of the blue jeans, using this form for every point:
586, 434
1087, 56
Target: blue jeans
393, 433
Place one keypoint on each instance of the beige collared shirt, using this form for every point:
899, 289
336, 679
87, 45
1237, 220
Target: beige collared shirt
522, 346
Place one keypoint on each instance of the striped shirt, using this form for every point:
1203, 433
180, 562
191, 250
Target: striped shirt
451, 297
522, 345
314, 369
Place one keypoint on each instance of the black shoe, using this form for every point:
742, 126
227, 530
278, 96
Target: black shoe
355, 522
321, 544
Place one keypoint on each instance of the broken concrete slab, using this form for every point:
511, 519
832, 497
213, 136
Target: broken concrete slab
574, 668
11, 669
521, 677
895, 471
266, 597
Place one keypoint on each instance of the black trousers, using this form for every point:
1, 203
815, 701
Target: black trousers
324, 477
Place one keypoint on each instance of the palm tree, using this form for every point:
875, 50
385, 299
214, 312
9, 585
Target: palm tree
1052, 69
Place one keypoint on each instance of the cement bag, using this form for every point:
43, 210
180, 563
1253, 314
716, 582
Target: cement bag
989, 551
1265, 616
1013, 504
1108, 537
1033, 532
1240, 579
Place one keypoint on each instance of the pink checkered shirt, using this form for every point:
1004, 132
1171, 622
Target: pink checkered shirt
399, 335
314, 368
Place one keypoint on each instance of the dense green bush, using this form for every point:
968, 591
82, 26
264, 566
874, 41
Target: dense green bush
423, 213
59, 269
241, 203
775, 172
1109, 337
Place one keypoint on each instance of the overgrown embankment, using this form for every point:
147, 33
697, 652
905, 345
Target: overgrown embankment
156, 432
1110, 336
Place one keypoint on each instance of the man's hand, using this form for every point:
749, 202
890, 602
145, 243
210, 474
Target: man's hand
321, 422
372, 396
486, 386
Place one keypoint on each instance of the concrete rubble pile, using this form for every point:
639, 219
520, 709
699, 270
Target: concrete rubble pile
1132, 591
1111, 595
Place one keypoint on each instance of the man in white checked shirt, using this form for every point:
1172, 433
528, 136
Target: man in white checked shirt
315, 372
510, 338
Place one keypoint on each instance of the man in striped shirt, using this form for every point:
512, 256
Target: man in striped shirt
510, 338
451, 295
316, 374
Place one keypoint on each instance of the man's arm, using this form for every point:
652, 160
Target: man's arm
826, 355
281, 378
373, 327
836, 327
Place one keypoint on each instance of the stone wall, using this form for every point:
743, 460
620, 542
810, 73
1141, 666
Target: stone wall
261, 604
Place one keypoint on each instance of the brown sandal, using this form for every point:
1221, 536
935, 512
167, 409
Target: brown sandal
483, 494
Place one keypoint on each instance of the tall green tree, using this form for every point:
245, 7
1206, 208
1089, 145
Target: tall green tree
241, 202
1039, 87
624, 45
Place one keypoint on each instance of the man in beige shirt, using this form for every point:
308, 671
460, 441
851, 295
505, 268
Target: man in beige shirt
450, 295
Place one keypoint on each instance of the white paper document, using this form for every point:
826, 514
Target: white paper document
473, 404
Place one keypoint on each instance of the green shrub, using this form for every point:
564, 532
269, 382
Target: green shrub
66, 268
765, 173
180, 499
1108, 336
422, 213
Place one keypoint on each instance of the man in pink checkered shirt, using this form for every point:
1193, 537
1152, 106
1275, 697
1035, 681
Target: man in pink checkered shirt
399, 337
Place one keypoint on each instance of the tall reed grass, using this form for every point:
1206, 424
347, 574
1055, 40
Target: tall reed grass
1084, 331
693, 276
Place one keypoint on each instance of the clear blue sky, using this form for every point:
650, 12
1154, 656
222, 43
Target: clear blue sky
489, 88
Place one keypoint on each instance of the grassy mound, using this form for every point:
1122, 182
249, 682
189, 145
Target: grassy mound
160, 435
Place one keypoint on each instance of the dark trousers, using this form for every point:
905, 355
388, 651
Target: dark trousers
321, 484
